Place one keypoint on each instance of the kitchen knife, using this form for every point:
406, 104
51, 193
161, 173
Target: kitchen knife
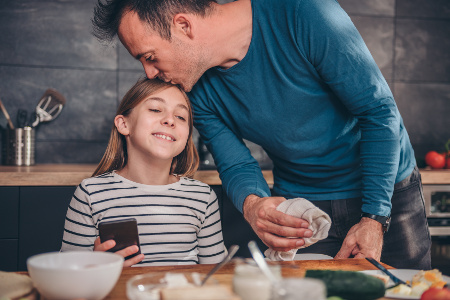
394, 278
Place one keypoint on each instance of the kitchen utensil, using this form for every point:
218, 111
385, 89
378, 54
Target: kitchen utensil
395, 279
231, 252
5, 112
49, 107
260, 261
19, 146
22, 118
278, 290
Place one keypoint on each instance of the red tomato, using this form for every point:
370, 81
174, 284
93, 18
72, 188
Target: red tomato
435, 160
436, 294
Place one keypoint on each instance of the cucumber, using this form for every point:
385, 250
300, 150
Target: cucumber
349, 285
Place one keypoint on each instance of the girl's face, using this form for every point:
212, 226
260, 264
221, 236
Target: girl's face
158, 127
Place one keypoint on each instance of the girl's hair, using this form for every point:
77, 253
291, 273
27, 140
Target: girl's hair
116, 156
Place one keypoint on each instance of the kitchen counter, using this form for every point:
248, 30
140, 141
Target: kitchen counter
73, 174
224, 276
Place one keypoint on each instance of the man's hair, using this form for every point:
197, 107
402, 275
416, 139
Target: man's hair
157, 13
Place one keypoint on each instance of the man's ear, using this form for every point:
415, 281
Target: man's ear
183, 23
121, 124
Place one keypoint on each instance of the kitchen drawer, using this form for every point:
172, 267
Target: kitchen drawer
42, 215
9, 212
8, 254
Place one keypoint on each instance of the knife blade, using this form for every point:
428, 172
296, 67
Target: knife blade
394, 278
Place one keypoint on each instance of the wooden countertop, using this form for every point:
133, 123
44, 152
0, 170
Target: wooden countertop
73, 174
225, 274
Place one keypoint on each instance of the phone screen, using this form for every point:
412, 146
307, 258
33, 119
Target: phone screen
124, 232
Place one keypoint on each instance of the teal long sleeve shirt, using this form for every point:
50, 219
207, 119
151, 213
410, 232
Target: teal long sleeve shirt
309, 92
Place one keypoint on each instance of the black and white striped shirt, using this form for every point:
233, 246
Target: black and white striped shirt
178, 223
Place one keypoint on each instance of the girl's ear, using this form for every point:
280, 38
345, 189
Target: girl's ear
121, 124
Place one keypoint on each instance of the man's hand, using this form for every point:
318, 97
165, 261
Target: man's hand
364, 239
124, 252
274, 227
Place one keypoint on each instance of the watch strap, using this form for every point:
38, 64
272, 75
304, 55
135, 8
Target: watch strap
385, 221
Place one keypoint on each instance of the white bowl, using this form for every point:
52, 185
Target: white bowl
70, 275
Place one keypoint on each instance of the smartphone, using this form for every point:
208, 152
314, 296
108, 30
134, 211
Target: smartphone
124, 232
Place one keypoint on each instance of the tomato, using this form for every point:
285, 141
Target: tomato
436, 294
435, 160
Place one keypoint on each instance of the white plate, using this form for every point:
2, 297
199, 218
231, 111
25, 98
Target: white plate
311, 256
403, 274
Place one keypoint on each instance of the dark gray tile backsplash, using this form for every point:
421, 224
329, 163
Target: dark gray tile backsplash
425, 108
49, 44
378, 34
370, 8
433, 9
422, 50
51, 34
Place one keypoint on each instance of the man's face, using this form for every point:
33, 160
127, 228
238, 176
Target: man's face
178, 61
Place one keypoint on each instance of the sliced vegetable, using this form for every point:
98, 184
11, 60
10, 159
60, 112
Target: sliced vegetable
350, 285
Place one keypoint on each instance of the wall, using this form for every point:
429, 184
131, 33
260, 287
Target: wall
48, 44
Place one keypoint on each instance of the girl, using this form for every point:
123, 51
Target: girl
146, 174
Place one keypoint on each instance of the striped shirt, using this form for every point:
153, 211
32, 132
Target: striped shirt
178, 223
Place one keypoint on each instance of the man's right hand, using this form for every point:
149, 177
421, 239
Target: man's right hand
98, 246
277, 230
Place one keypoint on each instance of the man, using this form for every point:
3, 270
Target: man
295, 77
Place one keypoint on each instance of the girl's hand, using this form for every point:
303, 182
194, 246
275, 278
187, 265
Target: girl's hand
124, 252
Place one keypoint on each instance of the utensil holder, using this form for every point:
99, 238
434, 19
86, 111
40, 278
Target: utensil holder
18, 146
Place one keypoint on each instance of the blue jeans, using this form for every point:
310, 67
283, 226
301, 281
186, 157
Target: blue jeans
407, 244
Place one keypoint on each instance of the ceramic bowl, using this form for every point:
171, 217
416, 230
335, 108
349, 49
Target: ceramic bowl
71, 275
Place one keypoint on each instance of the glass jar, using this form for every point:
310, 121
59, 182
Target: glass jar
250, 283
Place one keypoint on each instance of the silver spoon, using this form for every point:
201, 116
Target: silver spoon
260, 261
262, 264
231, 252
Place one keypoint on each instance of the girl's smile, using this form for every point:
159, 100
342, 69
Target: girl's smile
164, 136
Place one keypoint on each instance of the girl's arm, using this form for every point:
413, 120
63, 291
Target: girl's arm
79, 229
210, 240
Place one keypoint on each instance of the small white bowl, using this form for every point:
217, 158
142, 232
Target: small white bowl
70, 275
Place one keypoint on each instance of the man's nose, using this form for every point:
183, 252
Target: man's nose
151, 72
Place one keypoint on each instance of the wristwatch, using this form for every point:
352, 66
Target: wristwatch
385, 221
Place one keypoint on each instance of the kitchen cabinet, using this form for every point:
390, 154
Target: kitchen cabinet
9, 227
32, 222
42, 214
235, 229
34, 201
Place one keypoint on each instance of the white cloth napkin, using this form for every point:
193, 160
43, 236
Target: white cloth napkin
319, 223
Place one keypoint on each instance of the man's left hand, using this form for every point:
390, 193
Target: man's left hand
364, 239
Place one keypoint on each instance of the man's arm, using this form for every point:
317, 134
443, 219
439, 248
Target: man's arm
343, 61
242, 180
